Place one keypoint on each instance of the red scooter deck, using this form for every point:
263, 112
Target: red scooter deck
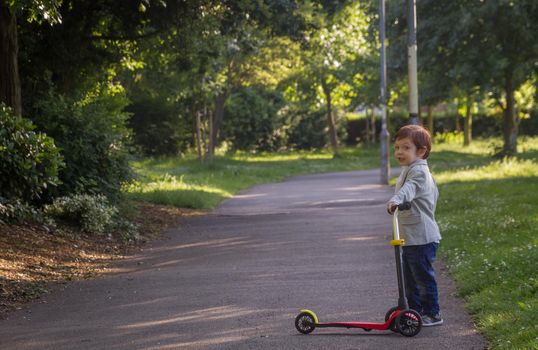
364, 325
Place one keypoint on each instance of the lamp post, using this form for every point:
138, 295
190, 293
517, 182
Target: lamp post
384, 135
412, 60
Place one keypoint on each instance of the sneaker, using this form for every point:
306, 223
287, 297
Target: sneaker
428, 321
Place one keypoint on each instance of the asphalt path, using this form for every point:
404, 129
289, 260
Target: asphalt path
236, 279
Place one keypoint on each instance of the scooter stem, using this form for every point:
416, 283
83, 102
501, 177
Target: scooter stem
397, 243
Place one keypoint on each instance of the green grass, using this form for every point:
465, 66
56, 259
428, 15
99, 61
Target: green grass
487, 212
188, 183
488, 215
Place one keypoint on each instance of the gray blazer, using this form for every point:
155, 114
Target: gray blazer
416, 185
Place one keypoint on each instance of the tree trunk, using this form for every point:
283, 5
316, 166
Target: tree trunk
330, 119
215, 123
210, 148
458, 125
367, 127
372, 126
468, 126
10, 86
430, 119
199, 136
510, 119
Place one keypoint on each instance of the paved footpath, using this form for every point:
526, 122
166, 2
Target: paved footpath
235, 279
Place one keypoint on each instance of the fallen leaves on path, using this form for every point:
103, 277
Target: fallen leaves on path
33, 258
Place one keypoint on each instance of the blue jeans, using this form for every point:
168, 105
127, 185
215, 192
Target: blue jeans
420, 284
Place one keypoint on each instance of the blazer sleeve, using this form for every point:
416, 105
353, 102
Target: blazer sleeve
412, 185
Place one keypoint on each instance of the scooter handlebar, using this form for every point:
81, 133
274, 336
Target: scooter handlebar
404, 206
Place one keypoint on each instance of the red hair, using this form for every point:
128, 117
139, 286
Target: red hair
420, 137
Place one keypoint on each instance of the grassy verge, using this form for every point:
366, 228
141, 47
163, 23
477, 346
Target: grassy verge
488, 214
189, 184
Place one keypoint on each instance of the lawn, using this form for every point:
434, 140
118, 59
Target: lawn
188, 183
488, 215
487, 212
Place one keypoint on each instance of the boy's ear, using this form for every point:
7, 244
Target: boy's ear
421, 152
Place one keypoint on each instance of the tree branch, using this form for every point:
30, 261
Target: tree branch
499, 102
123, 38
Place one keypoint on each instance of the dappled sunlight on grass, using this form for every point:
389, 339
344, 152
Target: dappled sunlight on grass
170, 183
488, 217
186, 182
180, 197
281, 157
501, 169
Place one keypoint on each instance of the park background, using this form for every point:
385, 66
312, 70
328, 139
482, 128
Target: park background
108, 106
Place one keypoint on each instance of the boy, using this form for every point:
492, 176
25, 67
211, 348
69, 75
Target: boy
421, 233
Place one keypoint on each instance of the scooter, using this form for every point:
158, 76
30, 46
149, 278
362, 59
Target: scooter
399, 319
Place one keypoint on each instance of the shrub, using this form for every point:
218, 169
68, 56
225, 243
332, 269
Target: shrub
91, 131
308, 130
29, 160
14, 212
92, 213
252, 120
158, 127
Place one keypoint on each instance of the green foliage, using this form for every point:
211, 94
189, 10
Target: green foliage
449, 137
44, 10
92, 134
29, 160
158, 127
93, 214
472, 49
309, 131
253, 121
14, 211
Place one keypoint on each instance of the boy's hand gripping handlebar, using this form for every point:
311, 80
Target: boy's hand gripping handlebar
395, 228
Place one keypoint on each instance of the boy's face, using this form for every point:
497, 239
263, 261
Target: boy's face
406, 152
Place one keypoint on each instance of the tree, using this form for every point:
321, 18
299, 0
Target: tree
72, 92
335, 51
480, 45
244, 28
509, 36
10, 85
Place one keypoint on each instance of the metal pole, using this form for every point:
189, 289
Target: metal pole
412, 61
384, 135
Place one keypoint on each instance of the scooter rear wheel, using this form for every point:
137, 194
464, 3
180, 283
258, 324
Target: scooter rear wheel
408, 323
305, 323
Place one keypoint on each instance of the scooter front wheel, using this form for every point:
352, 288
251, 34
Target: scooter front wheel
305, 323
408, 323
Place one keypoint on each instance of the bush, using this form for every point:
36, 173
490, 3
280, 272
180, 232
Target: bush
252, 120
158, 127
14, 212
92, 133
309, 131
29, 161
93, 214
